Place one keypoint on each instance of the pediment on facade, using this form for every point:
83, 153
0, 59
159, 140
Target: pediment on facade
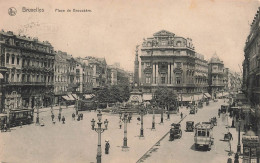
177, 70
163, 33
148, 70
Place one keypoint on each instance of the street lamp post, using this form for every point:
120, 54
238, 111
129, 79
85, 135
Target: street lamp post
37, 107
153, 122
238, 143
142, 123
162, 115
77, 106
8, 115
125, 119
99, 130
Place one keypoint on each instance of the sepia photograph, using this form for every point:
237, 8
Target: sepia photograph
130, 81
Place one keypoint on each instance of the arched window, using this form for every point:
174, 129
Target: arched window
13, 59
7, 58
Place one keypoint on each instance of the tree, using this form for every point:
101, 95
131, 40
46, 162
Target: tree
164, 97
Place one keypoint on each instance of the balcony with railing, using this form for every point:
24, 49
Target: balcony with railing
20, 83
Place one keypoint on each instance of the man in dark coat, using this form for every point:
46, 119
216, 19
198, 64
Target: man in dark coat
63, 120
107, 146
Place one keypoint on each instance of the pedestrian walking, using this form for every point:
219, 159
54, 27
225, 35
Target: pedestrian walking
59, 117
5, 127
107, 146
63, 120
81, 116
181, 115
73, 116
120, 124
78, 117
21, 124
52, 117
42, 122
230, 136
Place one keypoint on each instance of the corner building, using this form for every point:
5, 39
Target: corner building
171, 61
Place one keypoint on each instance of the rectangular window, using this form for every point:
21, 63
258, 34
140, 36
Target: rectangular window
147, 80
12, 59
18, 78
18, 61
178, 80
163, 80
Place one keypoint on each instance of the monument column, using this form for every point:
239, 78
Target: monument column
169, 73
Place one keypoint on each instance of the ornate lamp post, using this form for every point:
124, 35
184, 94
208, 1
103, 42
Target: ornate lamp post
51, 98
142, 122
8, 115
162, 115
77, 106
60, 109
238, 143
125, 119
153, 122
37, 102
99, 130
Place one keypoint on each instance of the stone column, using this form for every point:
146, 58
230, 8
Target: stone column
169, 73
157, 74
172, 76
153, 73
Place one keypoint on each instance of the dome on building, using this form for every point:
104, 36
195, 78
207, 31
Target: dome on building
215, 58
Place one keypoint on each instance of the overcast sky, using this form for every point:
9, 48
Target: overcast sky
113, 28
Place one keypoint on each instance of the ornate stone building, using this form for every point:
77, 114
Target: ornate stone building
170, 60
28, 70
216, 76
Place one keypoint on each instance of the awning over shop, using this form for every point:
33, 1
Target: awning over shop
186, 98
89, 96
197, 97
71, 97
66, 98
225, 93
75, 96
207, 95
147, 97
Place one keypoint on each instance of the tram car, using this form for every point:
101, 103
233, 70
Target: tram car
16, 116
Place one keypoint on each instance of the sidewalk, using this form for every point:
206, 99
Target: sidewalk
234, 142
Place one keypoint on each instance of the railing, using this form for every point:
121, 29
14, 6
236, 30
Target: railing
29, 83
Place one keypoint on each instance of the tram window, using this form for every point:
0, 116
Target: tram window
201, 133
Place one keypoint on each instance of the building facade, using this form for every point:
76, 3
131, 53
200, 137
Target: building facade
251, 64
61, 67
216, 76
170, 60
99, 68
28, 70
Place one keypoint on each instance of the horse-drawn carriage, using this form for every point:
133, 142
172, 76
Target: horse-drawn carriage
175, 131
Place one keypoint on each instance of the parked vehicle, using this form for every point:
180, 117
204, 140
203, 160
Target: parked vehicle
192, 111
189, 126
203, 135
200, 104
175, 131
